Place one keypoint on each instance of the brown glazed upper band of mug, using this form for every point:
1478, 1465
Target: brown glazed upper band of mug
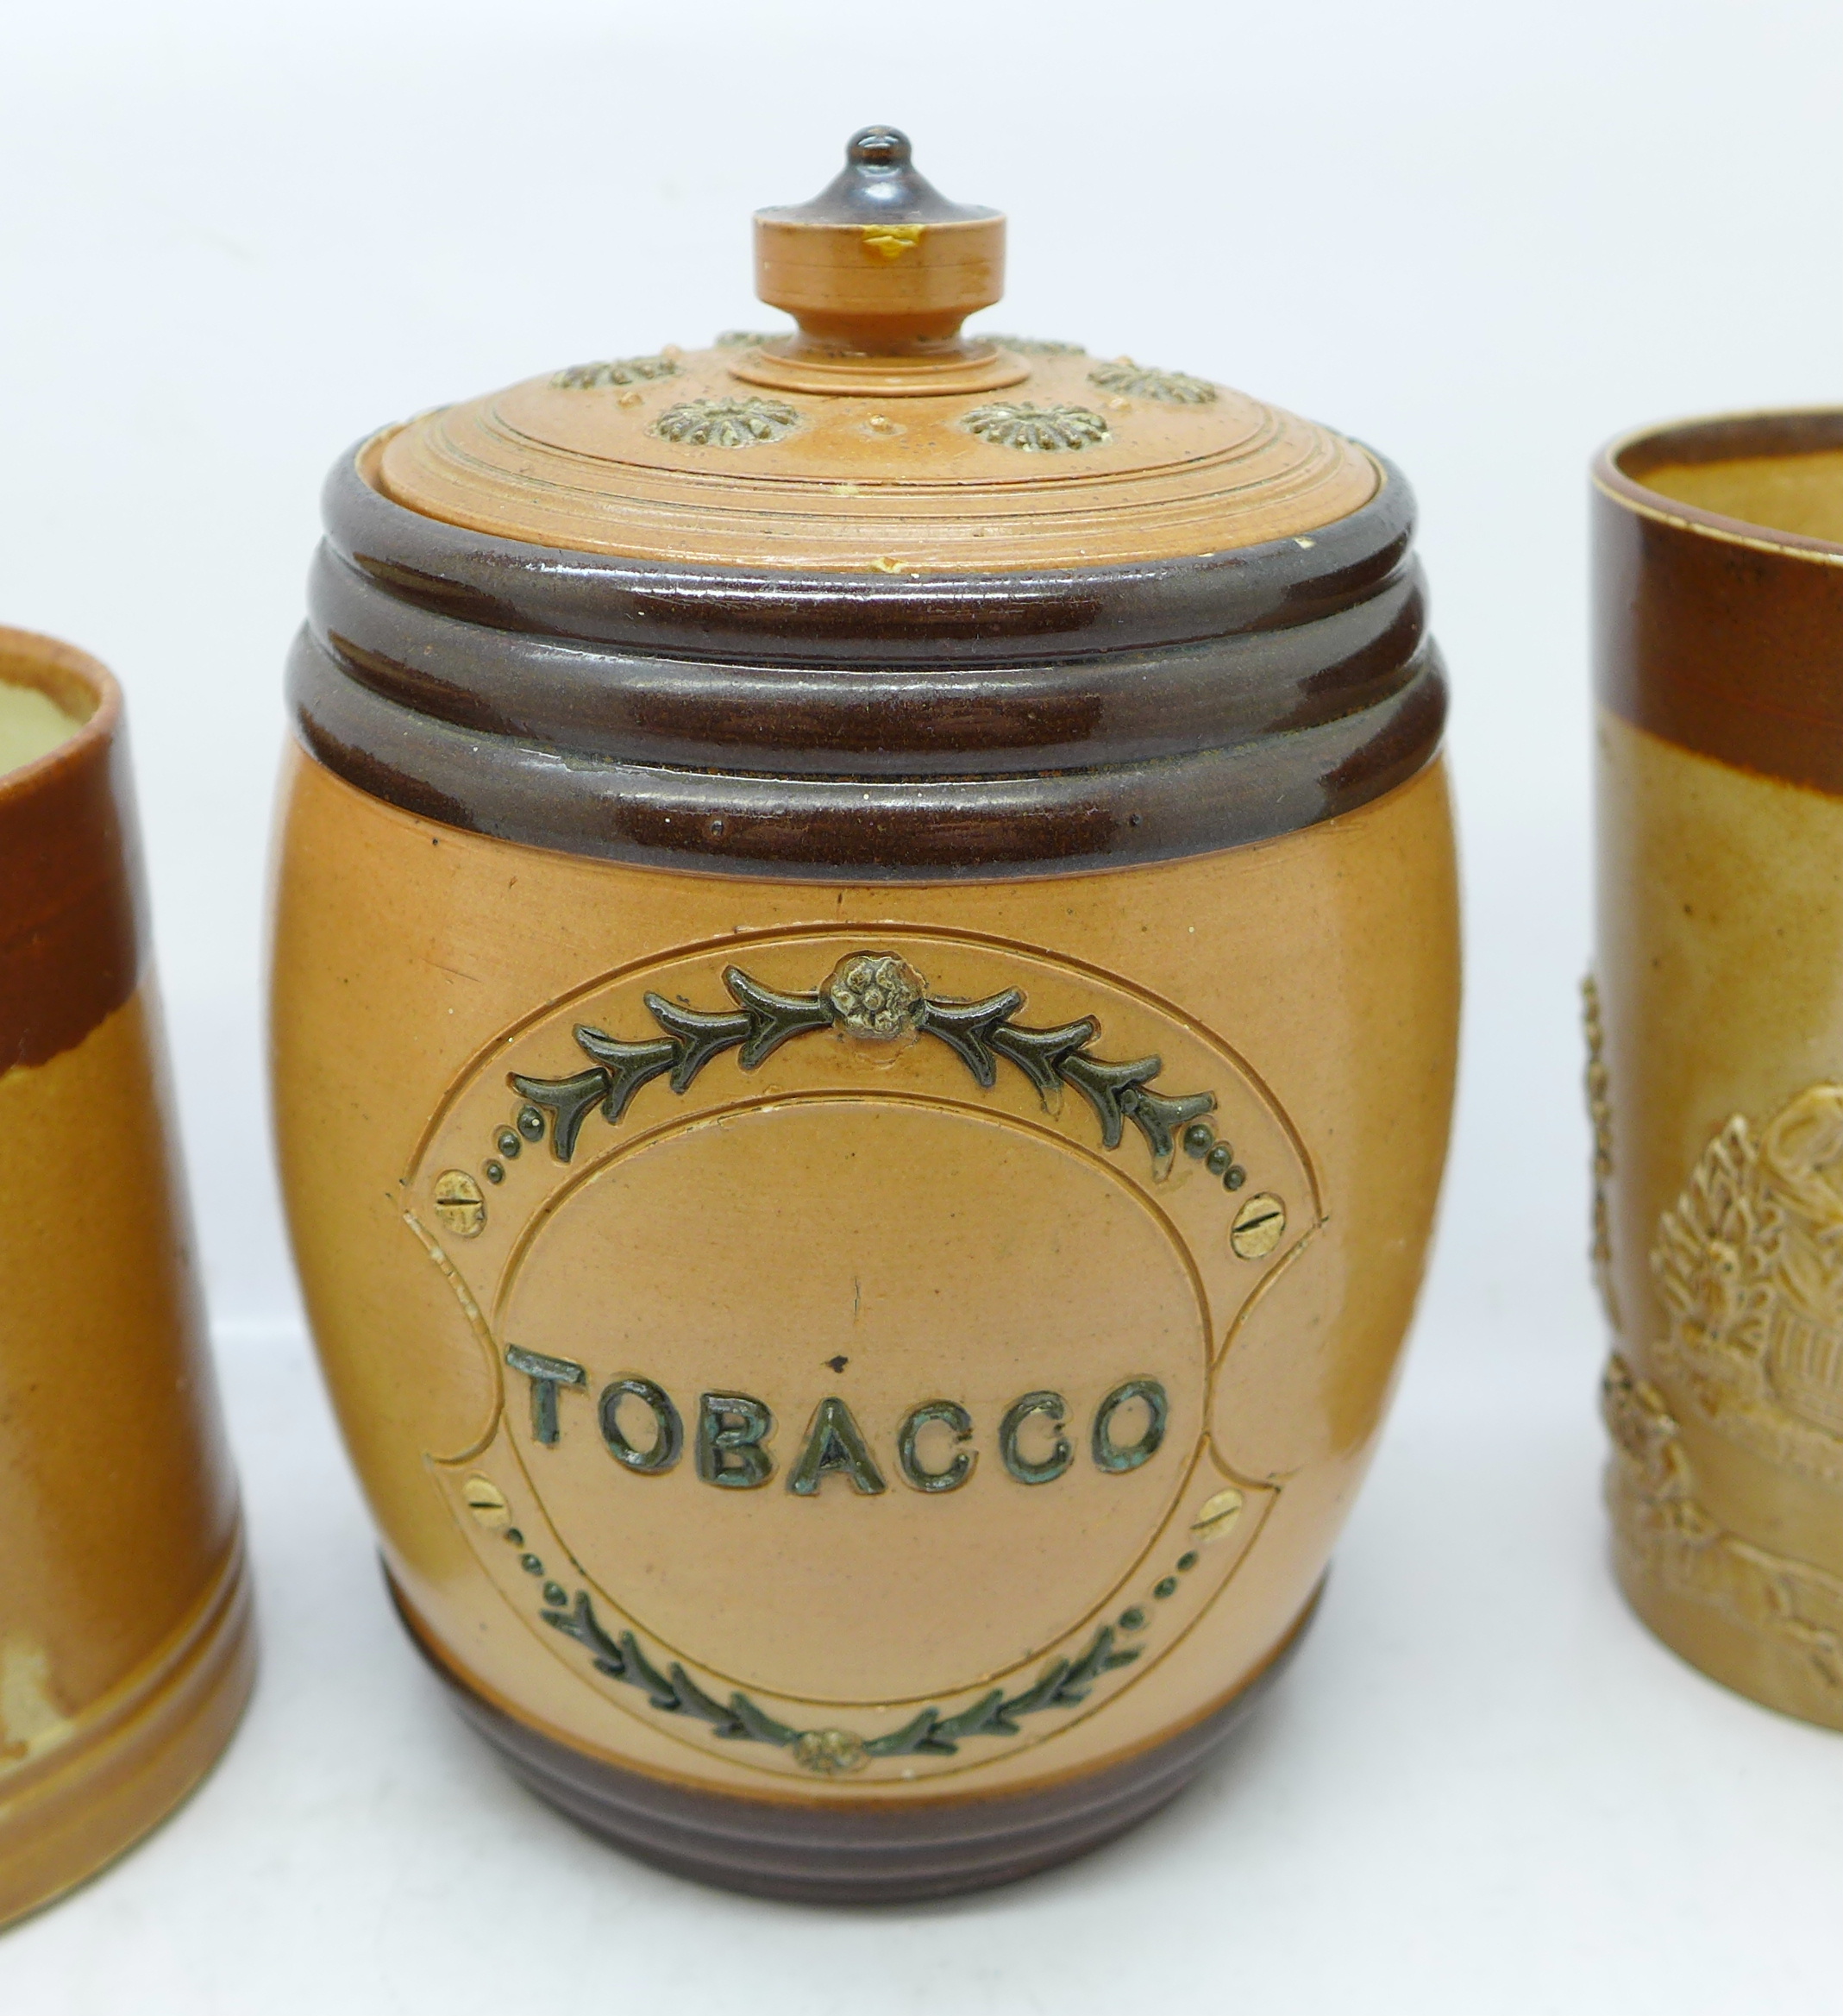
1719, 633
71, 905
845, 726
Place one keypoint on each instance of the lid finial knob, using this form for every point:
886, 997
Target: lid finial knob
879, 270
879, 147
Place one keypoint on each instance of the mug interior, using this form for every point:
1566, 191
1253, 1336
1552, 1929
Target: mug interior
1777, 472
46, 698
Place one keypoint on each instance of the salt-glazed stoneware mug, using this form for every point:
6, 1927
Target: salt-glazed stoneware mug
864, 1005
1715, 1027
125, 1643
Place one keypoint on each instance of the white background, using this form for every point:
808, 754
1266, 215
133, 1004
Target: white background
234, 237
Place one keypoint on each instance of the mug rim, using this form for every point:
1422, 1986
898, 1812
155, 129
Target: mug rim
73, 907
26, 651
1714, 438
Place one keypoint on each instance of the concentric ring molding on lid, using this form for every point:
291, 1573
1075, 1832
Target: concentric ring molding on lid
878, 437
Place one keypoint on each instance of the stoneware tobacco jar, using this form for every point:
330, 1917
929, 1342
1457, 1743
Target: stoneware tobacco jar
1715, 1024
864, 1006
125, 1643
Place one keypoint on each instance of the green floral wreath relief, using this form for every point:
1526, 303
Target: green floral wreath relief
834, 1752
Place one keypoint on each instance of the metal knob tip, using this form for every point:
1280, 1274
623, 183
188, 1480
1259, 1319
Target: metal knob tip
878, 146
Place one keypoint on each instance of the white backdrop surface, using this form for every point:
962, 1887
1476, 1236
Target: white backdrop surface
233, 238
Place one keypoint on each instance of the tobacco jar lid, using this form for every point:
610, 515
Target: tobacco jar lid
877, 435
872, 596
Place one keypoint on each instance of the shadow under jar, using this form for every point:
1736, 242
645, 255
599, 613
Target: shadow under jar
864, 1015
1716, 1022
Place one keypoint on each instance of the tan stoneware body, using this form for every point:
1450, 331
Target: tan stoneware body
863, 1023
1715, 1021
125, 1645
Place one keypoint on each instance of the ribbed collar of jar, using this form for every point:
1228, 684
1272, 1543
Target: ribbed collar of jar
846, 726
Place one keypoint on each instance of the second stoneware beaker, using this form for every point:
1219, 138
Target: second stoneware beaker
1716, 1022
864, 1012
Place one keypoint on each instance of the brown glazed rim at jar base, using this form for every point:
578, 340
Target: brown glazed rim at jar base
860, 727
1717, 633
893, 1852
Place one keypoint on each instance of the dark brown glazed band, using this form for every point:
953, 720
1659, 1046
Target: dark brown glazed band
72, 909
744, 722
1722, 636
898, 1852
